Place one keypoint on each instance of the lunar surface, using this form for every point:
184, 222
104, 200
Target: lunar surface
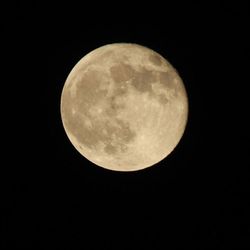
124, 107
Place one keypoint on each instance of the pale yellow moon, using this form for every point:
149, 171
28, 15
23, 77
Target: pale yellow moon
124, 107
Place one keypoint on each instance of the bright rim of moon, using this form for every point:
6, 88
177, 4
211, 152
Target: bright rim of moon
124, 107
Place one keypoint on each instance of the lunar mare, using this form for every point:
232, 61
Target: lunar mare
124, 107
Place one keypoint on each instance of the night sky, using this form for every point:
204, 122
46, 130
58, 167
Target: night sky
53, 198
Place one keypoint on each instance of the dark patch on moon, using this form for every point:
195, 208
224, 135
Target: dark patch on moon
121, 90
88, 90
115, 105
121, 72
142, 80
125, 133
167, 79
155, 59
105, 55
163, 99
118, 135
110, 149
118, 132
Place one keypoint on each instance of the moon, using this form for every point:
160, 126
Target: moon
124, 107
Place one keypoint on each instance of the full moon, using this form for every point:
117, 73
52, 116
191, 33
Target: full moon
124, 107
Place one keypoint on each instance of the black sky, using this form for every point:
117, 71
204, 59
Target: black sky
197, 197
